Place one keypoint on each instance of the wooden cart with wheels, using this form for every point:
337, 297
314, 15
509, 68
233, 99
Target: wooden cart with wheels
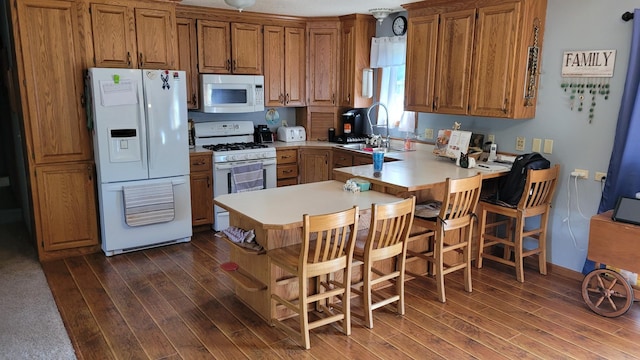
606, 291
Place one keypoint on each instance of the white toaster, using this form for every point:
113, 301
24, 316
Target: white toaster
292, 133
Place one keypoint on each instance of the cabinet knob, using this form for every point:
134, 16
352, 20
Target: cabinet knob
140, 62
193, 99
234, 65
128, 58
286, 99
228, 64
435, 103
505, 106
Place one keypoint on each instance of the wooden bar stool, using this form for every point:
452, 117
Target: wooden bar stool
450, 232
535, 201
386, 239
326, 248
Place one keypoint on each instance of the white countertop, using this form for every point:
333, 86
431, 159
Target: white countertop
283, 207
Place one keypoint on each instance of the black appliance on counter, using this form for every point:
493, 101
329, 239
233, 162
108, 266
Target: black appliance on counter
262, 134
352, 125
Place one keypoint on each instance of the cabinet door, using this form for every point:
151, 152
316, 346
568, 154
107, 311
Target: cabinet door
323, 66
156, 39
494, 60
65, 206
422, 40
347, 68
214, 47
274, 60
52, 87
201, 198
294, 59
114, 41
187, 55
453, 72
314, 165
246, 49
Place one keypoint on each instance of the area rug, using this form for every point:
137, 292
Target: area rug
30, 324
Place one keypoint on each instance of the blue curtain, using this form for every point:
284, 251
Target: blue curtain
623, 176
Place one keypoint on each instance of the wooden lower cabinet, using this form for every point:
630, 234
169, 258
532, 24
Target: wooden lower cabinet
287, 167
314, 165
66, 221
201, 189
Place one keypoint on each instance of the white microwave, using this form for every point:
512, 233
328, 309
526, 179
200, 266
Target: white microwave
232, 93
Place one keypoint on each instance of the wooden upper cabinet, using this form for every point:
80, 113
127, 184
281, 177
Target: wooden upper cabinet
229, 48
439, 51
357, 31
156, 38
52, 87
114, 43
323, 63
284, 65
495, 58
453, 69
422, 44
187, 58
480, 63
131, 37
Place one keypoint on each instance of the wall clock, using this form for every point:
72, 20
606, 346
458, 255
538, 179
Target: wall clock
399, 25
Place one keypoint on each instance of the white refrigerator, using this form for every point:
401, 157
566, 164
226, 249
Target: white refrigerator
141, 150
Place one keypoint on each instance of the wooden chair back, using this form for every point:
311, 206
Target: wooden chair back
539, 188
328, 241
460, 204
390, 227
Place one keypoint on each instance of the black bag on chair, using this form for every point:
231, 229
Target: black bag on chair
512, 186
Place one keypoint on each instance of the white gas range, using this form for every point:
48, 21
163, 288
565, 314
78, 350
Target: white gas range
233, 146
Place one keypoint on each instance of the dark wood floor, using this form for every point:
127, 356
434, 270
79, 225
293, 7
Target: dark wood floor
175, 303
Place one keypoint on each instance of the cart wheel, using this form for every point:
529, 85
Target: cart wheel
607, 293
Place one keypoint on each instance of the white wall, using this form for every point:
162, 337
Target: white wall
570, 25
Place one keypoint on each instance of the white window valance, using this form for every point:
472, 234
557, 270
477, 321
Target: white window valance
388, 51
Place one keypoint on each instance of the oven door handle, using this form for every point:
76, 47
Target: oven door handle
227, 166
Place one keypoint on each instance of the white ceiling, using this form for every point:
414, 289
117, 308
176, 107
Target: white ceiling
309, 7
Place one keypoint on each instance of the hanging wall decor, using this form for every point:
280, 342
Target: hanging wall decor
585, 77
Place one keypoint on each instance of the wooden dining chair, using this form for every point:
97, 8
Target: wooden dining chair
386, 238
449, 233
324, 257
496, 230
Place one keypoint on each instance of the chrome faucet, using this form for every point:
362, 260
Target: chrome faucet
376, 139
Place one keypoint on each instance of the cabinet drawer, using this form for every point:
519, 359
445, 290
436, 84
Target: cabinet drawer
287, 171
200, 162
287, 182
289, 156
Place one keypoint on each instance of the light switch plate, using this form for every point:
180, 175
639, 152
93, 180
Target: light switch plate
491, 138
536, 145
428, 133
548, 146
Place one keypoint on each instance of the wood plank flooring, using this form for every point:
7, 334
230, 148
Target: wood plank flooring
174, 303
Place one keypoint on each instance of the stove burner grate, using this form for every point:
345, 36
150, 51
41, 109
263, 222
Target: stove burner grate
235, 146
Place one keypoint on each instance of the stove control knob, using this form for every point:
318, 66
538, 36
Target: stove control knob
232, 157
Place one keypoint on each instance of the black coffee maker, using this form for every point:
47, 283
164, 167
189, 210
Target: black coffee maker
352, 126
262, 134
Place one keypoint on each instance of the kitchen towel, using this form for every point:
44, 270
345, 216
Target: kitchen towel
148, 204
247, 178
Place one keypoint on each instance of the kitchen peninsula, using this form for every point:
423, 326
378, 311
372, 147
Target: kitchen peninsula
275, 215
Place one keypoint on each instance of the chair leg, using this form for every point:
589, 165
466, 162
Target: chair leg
366, 295
481, 231
466, 253
400, 282
542, 243
304, 313
517, 243
439, 263
346, 301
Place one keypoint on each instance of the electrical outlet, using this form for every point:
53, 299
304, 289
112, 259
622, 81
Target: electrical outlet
520, 143
428, 133
580, 173
491, 138
599, 176
548, 146
536, 145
